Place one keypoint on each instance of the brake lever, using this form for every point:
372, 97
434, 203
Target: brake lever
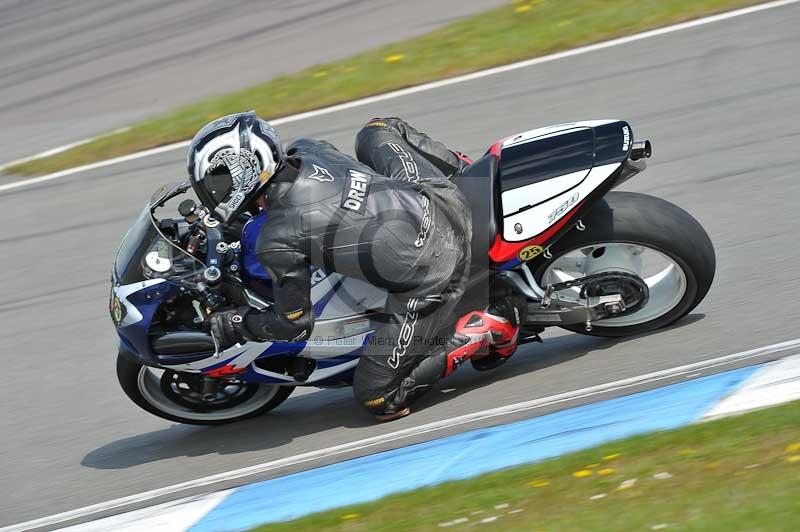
198, 310
216, 354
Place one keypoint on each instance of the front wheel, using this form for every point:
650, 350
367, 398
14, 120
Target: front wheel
178, 396
644, 236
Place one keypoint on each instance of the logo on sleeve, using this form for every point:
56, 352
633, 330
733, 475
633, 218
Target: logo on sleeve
354, 197
321, 174
294, 315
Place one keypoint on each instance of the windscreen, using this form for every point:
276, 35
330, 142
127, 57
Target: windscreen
147, 252
128, 265
166, 192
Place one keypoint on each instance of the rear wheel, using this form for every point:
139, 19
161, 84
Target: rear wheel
644, 236
180, 397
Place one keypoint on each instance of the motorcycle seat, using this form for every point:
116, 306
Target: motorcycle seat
478, 183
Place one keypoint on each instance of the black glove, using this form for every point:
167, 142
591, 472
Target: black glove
229, 327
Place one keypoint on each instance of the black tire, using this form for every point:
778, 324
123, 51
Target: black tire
128, 375
627, 217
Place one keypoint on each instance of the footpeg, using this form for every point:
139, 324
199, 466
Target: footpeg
531, 338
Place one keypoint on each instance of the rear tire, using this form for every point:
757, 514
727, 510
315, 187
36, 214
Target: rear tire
639, 219
144, 393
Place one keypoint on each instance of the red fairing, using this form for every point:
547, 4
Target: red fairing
496, 148
466, 158
502, 251
225, 370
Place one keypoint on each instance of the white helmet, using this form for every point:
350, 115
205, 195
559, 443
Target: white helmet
230, 161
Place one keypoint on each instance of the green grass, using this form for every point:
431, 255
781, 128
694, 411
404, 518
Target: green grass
740, 473
514, 32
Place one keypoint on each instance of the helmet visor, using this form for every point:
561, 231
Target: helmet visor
231, 182
220, 185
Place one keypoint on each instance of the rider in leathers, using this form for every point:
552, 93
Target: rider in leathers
392, 219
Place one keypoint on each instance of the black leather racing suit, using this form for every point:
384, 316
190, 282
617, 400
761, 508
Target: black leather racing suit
393, 220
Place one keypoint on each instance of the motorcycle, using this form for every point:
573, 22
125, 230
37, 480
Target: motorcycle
546, 224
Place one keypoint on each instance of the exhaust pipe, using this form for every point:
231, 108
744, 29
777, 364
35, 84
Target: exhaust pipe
641, 149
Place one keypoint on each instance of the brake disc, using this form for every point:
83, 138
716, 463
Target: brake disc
631, 288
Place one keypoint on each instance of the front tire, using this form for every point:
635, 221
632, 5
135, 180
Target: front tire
151, 392
627, 220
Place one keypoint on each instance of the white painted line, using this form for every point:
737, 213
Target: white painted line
173, 516
59, 149
100, 164
776, 383
366, 443
422, 88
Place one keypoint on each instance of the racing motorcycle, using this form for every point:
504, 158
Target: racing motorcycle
546, 224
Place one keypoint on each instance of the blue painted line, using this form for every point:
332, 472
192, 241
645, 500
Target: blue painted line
469, 454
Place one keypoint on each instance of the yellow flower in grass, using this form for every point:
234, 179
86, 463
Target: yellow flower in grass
611, 457
351, 68
320, 74
592, 466
687, 452
350, 517
583, 473
794, 459
539, 483
522, 9
606, 471
793, 448
394, 58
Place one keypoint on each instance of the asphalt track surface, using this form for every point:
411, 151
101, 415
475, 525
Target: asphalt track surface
71, 70
722, 107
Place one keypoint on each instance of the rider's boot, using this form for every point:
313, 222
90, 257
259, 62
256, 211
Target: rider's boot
425, 374
475, 333
505, 317
486, 338
403, 412
420, 380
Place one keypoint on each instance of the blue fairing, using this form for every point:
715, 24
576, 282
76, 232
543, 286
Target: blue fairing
137, 295
508, 265
135, 336
252, 268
